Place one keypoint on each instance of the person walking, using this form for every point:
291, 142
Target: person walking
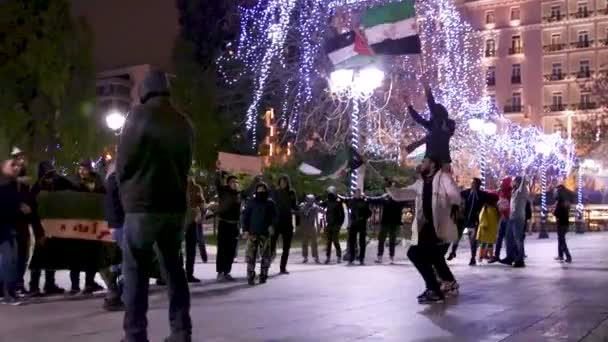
504, 207
12, 205
115, 217
390, 224
153, 162
562, 216
433, 228
286, 202
229, 214
488, 227
259, 218
474, 199
334, 217
309, 223
517, 221
359, 214
23, 237
194, 224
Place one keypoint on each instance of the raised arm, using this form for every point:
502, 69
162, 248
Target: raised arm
419, 119
408, 193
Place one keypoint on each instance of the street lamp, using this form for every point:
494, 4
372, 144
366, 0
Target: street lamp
486, 129
544, 150
115, 120
357, 85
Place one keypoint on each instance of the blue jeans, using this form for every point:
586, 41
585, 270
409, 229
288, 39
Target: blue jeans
515, 244
141, 232
8, 267
117, 235
502, 231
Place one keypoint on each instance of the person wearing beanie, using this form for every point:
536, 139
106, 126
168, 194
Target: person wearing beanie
152, 166
309, 224
285, 199
334, 217
229, 213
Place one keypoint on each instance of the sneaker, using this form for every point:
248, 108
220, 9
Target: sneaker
392, 260
52, 290
11, 301
74, 291
327, 261
284, 272
450, 288
351, 263
317, 261
193, 279
251, 281
92, 288
430, 297
220, 277
378, 260
161, 282
558, 258
362, 263
519, 264
228, 277
506, 261
305, 261
473, 262
113, 304
493, 260
568, 260
339, 260
451, 256
35, 293
263, 279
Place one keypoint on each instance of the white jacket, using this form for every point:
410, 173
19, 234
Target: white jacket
445, 195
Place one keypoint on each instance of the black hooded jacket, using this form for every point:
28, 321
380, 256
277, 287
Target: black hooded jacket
10, 200
286, 202
229, 200
334, 214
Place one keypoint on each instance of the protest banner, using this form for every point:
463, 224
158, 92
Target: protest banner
240, 164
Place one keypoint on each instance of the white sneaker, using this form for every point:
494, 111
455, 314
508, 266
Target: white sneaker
379, 260
392, 260
450, 288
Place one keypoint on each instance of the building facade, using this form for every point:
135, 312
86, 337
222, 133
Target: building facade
539, 56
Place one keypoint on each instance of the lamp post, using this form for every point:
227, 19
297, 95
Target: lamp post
485, 129
544, 150
359, 86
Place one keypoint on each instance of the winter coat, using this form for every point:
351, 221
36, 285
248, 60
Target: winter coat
155, 153
10, 201
488, 224
196, 203
445, 195
391, 213
287, 205
562, 213
519, 200
504, 197
229, 208
93, 183
309, 216
259, 216
440, 130
359, 212
114, 213
334, 212
473, 202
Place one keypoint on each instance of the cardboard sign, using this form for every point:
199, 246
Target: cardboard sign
92, 230
236, 163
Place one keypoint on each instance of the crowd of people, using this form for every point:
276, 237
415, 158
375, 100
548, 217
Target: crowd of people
152, 205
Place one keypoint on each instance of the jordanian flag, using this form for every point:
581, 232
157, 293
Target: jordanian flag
391, 29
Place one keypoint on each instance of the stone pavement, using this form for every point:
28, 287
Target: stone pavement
547, 301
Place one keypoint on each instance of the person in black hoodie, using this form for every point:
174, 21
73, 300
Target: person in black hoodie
334, 217
474, 199
12, 204
390, 223
48, 180
229, 214
359, 214
286, 202
152, 166
259, 218
115, 217
562, 216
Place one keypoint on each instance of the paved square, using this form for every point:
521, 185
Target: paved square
547, 301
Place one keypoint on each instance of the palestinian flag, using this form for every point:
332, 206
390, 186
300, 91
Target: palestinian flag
349, 51
331, 166
391, 29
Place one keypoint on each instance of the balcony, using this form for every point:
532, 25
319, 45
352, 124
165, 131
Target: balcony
585, 106
555, 77
513, 109
490, 53
516, 50
554, 47
602, 42
582, 44
491, 81
581, 14
516, 79
556, 107
583, 74
554, 18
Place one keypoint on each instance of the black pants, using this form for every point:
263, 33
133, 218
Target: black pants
457, 242
473, 241
391, 231
89, 279
359, 230
23, 254
193, 239
429, 259
562, 246
286, 232
49, 279
227, 238
333, 237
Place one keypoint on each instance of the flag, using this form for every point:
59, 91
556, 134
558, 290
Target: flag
349, 51
331, 166
391, 29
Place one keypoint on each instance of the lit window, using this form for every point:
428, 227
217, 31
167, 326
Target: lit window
490, 17
515, 45
556, 12
516, 100
557, 99
490, 48
515, 13
556, 39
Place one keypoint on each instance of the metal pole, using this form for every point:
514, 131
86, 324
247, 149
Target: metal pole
483, 160
355, 136
543, 200
580, 224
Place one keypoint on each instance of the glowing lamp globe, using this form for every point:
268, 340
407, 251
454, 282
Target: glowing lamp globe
476, 125
543, 148
341, 79
489, 128
115, 120
369, 79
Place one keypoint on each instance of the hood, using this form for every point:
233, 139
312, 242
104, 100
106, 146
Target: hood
285, 178
44, 168
506, 186
154, 84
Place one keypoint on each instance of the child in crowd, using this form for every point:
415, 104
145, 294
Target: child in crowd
259, 220
488, 227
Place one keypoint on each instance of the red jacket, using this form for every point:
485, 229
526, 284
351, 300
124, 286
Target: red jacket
504, 202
